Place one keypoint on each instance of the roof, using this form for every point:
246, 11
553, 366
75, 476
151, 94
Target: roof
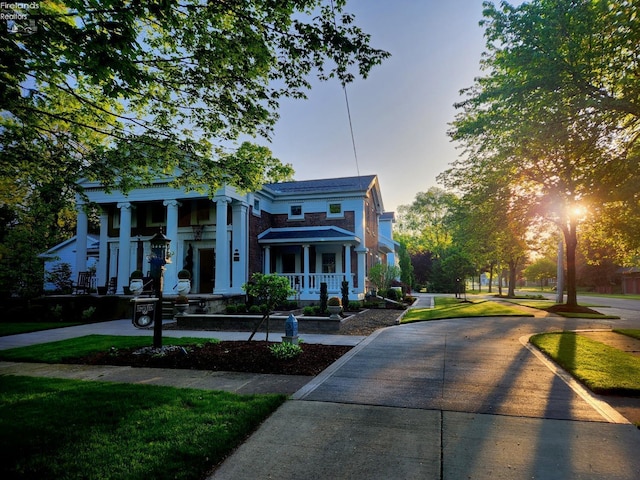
361, 183
308, 234
93, 244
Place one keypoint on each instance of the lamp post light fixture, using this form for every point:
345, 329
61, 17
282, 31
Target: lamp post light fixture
158, 259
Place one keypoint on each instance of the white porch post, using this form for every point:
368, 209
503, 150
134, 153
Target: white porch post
362, 260
124, 257
81, 240
347, 265
305, 270
171, 269
223, 282
267, 260
239, 239
103, 267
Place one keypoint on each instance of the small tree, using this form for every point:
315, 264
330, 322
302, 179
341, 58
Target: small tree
344, 291
270, 290
324, 296
60, 276
381, 275
541, 270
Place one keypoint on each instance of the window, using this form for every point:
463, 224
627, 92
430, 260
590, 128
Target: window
256, 207
288, 263
295, 211
335, 209
328, 263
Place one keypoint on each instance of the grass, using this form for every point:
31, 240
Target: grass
54, 352
65, 429
603, 369
14, 328
447, 307
628, 332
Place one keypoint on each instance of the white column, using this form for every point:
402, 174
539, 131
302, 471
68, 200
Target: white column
124, 257
82, 227
267, 259
223, 283
362, 260
103, 267
171, 269
239, 246
347, 265
305, 269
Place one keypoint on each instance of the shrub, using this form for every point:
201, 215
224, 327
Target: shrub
334, 302
255, 309
88, 313
285, 351
242, 308
184, 274
231, 309
56, 312
324, 296
344, 291
392, 294
308, 311
354, 306
182, 300
60, 276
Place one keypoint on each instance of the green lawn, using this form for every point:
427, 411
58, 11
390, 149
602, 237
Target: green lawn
447, 307
66, 429
54, 352
601, 368
13, 328
628, 332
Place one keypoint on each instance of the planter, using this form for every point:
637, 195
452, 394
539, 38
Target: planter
184, 286
181, 308
136, 285
334, 310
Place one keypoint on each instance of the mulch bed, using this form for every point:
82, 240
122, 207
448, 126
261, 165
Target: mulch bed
231, 356
244, 356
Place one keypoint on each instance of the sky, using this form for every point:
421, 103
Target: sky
401, 112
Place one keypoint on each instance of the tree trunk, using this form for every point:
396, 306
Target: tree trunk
571, 243
490, 277
265, 317
513, 266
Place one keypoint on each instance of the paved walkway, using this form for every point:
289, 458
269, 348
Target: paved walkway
244, 383
448, 399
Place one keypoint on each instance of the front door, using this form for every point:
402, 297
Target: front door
206, 267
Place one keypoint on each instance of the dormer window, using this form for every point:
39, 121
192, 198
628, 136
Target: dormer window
334, 210
295, 211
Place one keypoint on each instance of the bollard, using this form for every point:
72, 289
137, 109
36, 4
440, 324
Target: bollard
290, 330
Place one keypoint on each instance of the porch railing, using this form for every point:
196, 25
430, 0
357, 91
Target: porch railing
333, 281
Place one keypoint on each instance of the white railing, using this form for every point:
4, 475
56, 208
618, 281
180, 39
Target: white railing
333, 281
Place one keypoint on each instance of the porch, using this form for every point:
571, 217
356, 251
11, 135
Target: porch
307, 285
309, 256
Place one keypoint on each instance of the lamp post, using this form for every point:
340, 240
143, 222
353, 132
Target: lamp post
158, 259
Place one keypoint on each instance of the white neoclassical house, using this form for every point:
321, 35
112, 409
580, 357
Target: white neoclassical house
314, 231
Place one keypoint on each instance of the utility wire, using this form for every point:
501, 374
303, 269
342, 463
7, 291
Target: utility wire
346, 100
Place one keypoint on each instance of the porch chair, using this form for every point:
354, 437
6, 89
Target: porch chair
83, 284
111, 287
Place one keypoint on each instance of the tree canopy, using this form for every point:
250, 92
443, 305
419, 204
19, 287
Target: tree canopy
118, 89
554, 120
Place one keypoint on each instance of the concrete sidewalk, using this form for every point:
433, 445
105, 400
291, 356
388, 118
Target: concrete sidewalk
449, 399
242, 383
